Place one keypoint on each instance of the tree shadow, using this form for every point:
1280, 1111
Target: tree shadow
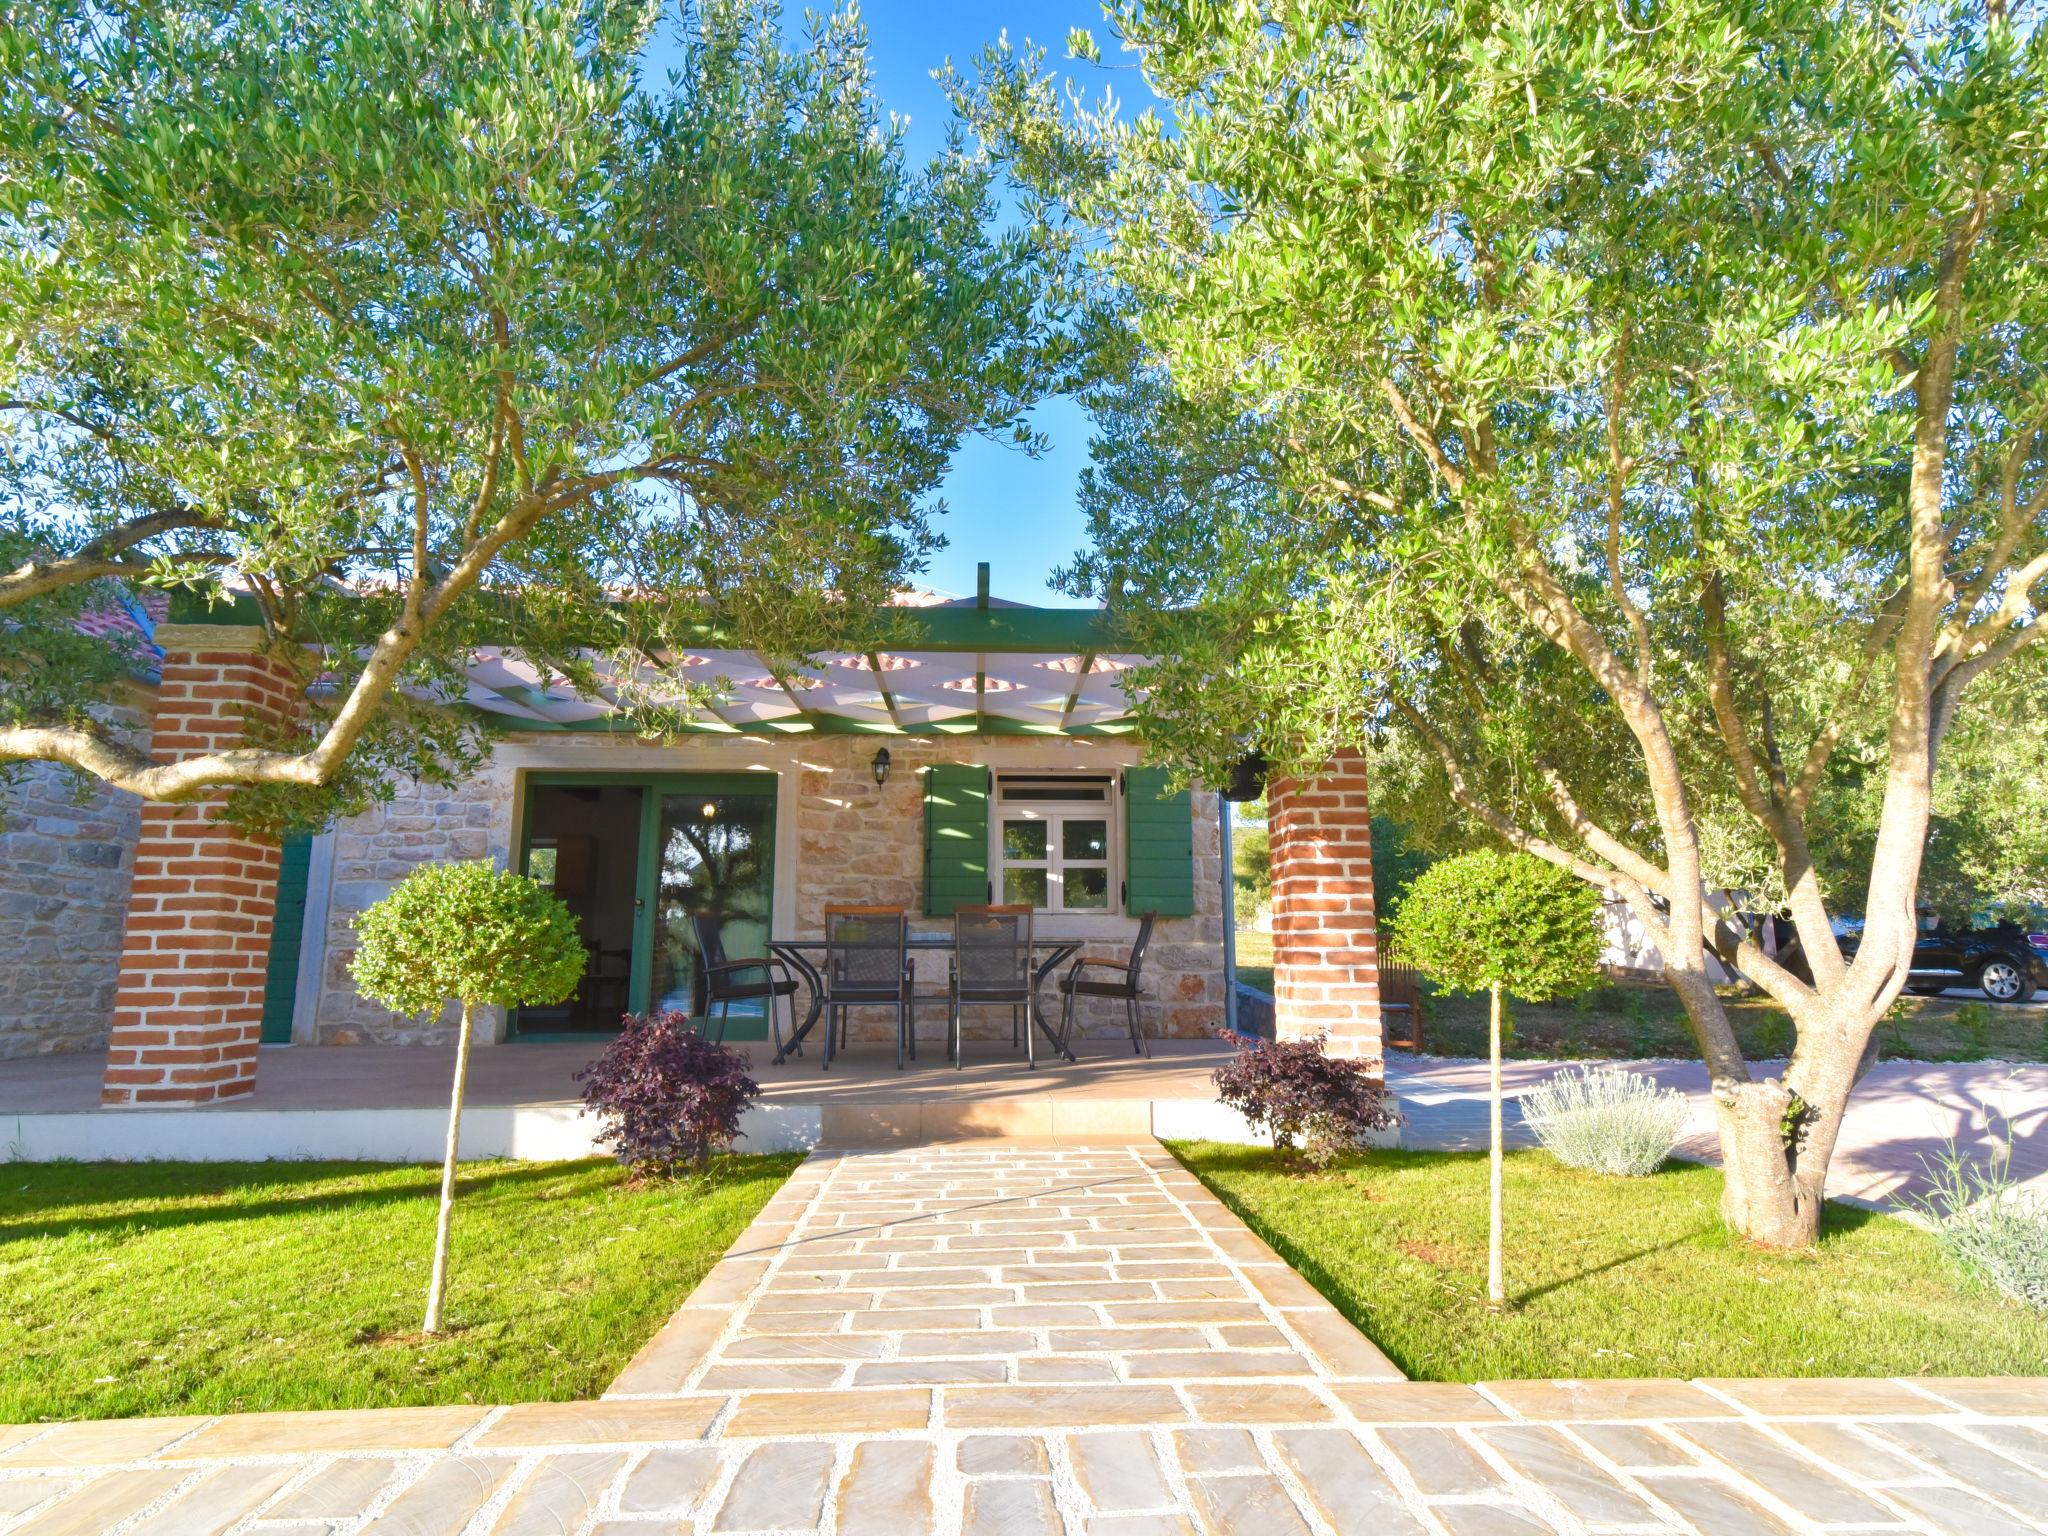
1619, 1260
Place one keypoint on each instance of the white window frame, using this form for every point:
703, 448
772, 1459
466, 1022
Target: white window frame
1054, 814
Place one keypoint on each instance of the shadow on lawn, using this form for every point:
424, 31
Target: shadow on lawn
26, 1211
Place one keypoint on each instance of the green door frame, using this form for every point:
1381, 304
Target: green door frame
653, 786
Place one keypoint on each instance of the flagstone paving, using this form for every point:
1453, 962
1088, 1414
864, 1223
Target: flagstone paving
1002, 1340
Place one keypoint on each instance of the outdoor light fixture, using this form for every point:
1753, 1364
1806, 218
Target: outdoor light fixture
710, 809
881, 765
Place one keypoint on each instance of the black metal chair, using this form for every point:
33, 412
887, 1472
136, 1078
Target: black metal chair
1122, 978
723, 985
867, 965
991, 964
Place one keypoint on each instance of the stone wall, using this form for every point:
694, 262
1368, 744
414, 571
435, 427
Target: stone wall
423, 823
65, 867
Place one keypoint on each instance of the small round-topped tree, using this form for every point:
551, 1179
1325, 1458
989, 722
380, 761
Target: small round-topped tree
1495, 922
478, 936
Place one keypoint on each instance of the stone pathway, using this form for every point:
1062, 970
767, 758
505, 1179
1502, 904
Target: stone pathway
1902, 1113
1000, 1340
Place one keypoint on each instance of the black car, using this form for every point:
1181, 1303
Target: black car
2005, 963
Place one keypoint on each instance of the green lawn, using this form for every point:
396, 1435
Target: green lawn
1626, 1020
1610, 1276
146, 1288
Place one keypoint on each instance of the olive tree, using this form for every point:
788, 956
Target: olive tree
1634, 407
477, 936
1499, 923
419, 327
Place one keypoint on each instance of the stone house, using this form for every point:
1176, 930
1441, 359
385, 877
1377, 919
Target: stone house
992, 759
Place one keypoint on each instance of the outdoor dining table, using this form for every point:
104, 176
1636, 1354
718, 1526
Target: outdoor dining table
797, 955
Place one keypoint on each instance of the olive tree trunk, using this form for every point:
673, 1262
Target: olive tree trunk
1496, 1284
437, 1283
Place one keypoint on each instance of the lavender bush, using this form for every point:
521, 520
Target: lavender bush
1297, 1091
666, 1095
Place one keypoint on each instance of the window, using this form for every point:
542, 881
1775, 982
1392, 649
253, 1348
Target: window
1054, 843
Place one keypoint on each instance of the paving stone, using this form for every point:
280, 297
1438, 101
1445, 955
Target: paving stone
1126, 1341
12, 1435
1439, 1461
618, 1528
19, 1495
1632, 1445
1184, 1312
1002, 1455
1256, 1403
670, 1482
808, 1346
608, 1422
1490, 1520
1010, 1506
1139, 1525
100, 1442
887, 1491
987, 1342
1969, 1463
916, 1317
1040, 1315
932, 1373
762, 1415
1212, 1364
1346, 1486
1618, 1399
443, 1498
1065, 1368
1821, 1397
2023, 1397
1959, 1512
2017, 1441
1841, 1447
219, 1499
779, 1486
1791, 1479
1119, 1471
559, 1494
1039, 1407
339, 1489
1712, 1508
1544, 1456
1216, 1448
363, 1429
104, 1502
1417, 1402
1236, 1506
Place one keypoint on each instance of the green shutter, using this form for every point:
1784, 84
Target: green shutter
1159, 845
955, 837
281, 978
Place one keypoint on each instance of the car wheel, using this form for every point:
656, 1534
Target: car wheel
2004, 982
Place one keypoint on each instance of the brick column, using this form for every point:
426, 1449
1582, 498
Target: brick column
188, 1005
1326, 977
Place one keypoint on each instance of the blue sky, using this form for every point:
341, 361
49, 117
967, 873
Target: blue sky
1017, 513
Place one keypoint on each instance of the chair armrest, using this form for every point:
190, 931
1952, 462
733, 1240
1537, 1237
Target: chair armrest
763, 963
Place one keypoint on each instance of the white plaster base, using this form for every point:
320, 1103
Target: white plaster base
536, 1132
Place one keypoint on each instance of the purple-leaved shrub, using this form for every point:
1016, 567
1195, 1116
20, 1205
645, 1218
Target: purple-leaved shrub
666, 1095
1297, 1091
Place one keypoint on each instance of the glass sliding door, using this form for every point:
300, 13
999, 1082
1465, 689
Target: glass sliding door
634, 857
715, 857
583, 841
